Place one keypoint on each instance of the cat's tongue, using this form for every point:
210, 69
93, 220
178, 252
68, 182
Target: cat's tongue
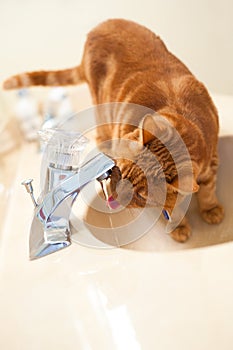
112, 203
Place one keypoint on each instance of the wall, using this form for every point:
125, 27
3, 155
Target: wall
49, 34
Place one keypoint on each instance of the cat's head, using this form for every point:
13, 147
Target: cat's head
153, 166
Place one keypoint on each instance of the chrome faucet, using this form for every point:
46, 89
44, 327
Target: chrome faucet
50, 229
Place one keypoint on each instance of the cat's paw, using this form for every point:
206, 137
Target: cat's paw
214, 215
181, 233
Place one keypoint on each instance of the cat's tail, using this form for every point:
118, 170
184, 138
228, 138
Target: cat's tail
70, 76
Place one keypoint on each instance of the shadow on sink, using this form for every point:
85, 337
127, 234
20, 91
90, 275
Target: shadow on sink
203, 234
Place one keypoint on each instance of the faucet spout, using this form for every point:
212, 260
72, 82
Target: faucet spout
50, 229
92, 170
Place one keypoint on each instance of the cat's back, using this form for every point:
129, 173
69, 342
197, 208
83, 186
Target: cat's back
125, 39
124, 31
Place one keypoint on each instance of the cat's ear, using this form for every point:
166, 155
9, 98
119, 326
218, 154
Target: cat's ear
154, 126
186, 182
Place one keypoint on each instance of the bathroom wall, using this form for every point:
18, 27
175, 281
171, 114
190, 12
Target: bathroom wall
48, 34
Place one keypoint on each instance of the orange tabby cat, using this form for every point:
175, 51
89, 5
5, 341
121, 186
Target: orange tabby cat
125, 62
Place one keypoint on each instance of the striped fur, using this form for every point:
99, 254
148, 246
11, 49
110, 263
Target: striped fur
45, 78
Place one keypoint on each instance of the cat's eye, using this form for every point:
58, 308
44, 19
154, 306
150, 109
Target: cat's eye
139, 196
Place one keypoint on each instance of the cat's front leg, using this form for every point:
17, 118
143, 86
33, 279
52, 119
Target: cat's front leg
178, 227
182, 232
211, 211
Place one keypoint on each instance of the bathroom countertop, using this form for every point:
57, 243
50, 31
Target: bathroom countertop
84, 298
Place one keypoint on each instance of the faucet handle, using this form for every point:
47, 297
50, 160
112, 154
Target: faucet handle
29, 188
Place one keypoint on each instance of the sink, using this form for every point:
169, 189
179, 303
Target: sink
150, 294
102, 229
144, 229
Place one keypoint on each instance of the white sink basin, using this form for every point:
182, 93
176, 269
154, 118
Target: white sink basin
142, 296
90, 208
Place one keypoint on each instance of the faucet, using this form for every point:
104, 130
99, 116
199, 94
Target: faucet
64, 179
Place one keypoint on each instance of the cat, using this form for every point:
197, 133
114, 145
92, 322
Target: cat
126, 62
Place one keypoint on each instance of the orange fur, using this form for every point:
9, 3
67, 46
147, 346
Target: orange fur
126, 62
